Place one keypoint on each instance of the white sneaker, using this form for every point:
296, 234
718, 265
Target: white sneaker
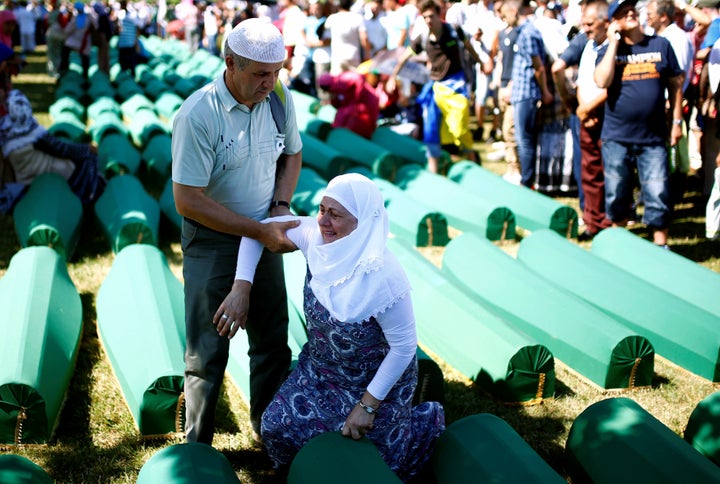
495, 155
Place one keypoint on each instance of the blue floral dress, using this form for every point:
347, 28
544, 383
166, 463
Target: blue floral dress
334, 369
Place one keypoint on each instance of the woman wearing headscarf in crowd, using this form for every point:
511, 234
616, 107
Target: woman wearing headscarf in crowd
358, 371
78, 37
8, 24
32, 151
357, 104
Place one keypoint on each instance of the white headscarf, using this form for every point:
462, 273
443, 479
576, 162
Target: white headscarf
357, 277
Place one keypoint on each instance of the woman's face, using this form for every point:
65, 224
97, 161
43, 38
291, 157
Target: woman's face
334, 220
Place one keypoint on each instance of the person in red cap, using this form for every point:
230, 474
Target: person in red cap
357, 104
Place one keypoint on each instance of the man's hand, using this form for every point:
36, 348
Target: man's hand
232, 313
675, 134
274, 236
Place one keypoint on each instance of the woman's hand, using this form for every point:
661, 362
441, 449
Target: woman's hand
358, 423
232, 313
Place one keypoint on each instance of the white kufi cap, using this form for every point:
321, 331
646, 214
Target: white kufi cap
258, 40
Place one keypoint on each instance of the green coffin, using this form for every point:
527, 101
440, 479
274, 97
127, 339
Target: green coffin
308, 192
104, 104
67, 105
484, 448
167, 104
331, 458
364, 152
100, 86
617, 441
665, 269
703, 427
305, 103
144, 125
679, 331
127, 88
580, 335
411, 219
117, 155
314, 126
41, 325
463, 209
16, 469
141, 323
431, 382
137, 102
408, 148
157, 155
532, 209
167, 205
155, 87
471, 339
106, 123
49, 214
189, 463
327, 113
127, 213
323, 158
66, 125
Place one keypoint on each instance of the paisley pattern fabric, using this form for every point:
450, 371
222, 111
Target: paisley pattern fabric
333, 371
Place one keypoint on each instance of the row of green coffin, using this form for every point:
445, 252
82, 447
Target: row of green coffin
611, 441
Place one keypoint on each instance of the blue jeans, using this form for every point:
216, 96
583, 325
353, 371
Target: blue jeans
651, 161
526, 136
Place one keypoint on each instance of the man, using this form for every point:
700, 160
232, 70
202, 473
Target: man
590, 111
528, 86
226, 176
443, 45
507, 46
636, 69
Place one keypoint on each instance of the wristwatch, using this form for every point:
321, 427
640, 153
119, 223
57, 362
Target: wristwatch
677, 121
367, 408
279, 203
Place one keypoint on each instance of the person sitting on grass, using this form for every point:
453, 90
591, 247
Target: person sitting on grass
358, 371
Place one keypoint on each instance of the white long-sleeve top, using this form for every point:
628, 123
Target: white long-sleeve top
397, 322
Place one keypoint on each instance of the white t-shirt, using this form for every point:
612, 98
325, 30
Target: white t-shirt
345, 28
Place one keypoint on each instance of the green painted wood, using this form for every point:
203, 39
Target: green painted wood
308, 192
679, 331
127, 214
41, 325
157, 155
665, 269
364, 152
480, 345
580, 335
105, 123
49, 214
117, 155
323, 158
16, 469
703, 427
140, 312
167, 205
464, 210
617, 441
484, 448
331, 458
188, 463
533, 210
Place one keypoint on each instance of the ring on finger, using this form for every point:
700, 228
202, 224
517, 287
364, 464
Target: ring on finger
224, 316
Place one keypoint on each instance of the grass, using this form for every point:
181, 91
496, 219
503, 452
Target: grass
97, 441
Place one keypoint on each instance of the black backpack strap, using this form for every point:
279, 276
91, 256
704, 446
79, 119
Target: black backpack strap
277, 107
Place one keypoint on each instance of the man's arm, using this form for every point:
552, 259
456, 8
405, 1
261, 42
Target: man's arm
286, 178
541, 78
675, 95
191, 202
558, 74
701, 18
605, 70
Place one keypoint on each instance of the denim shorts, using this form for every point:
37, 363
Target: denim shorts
620, 161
